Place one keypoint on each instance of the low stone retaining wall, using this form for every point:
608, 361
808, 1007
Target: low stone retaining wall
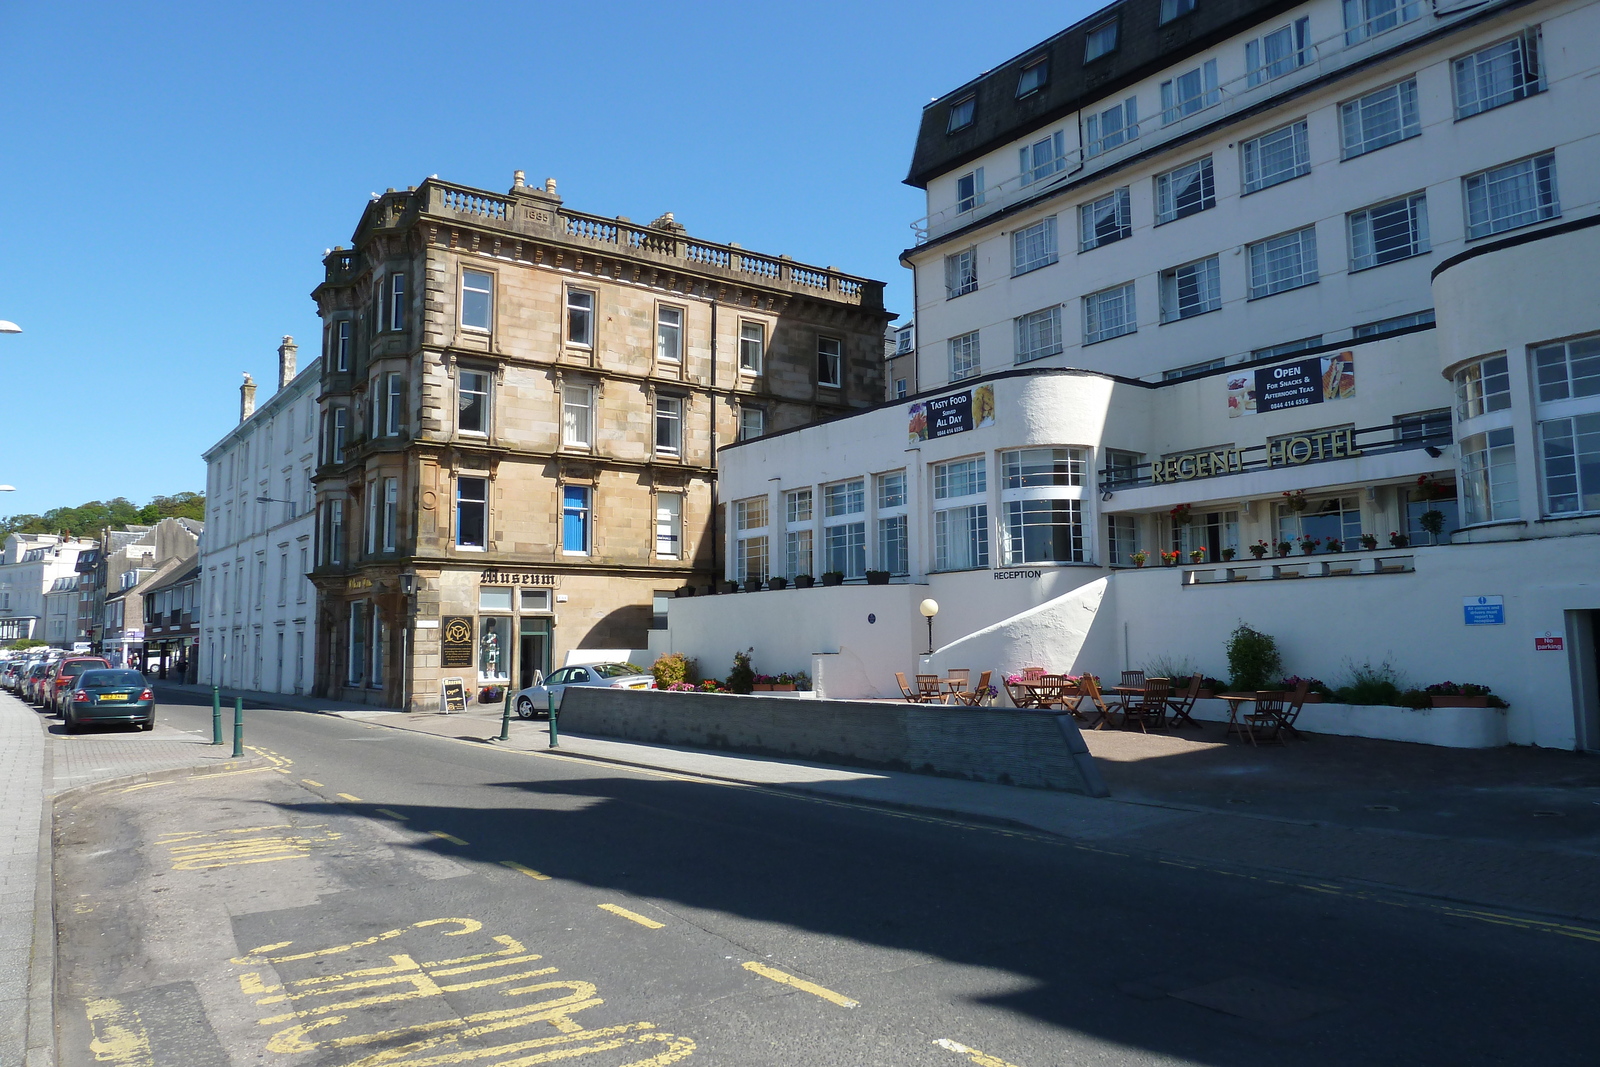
1446, 727
1000, 745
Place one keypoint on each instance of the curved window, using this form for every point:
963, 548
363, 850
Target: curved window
1483, 387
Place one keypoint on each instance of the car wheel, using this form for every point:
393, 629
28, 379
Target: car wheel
524, 707
148, 724
69, 723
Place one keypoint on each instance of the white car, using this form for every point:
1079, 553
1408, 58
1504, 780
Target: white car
534, 701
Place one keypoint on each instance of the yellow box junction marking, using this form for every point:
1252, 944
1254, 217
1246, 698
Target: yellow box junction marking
631, 915
529, 871
314, 785
235, 848
347, 796
452, 838
980, 1058
119, 1034
392, 814
801, 984
323, 1005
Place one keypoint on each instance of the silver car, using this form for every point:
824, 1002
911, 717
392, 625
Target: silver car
534, 701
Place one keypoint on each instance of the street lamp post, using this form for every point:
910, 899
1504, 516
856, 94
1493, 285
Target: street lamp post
9, 327
929, 609
275, 500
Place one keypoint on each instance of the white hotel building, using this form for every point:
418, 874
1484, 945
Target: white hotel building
1208, 262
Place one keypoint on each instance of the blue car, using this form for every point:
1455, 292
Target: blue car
110, 696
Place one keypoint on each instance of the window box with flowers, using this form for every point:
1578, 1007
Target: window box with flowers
1461, 695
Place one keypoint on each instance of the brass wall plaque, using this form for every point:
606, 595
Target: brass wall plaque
455, 641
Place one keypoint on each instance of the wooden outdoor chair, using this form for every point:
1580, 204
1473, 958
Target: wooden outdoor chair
1025, 695
974, 697
1291, 709
1033, 673
1092, 693
1265, 721
1181, 703
930, 688
1148, 706
905, 690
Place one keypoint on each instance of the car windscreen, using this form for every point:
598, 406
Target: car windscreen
615, 670
100, 679
72, 670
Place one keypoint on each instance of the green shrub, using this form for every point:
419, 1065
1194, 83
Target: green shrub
1252, 659
742, 679
1365, 683
671, 669
1167, 665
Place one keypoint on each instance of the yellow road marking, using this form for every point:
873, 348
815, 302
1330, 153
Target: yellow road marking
254, 956
192, 778
119, 1034
632, 916
801, 984
221, 851
314, 785
980, 1058
529, 871
392, 814
452, 838
347, 796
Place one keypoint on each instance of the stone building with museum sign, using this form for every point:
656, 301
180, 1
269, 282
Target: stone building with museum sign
520, 411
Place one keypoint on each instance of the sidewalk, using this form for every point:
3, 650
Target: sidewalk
38, 763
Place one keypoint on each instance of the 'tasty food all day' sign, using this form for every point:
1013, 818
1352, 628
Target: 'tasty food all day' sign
956, 413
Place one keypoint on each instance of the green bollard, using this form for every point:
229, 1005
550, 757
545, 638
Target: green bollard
555, 735
238, 727
216, 716
505, 718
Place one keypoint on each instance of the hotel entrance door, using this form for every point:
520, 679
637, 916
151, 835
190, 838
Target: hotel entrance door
533, 650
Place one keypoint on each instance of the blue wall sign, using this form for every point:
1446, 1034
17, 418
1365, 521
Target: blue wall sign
1484, 610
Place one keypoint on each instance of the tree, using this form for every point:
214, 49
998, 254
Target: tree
118, 513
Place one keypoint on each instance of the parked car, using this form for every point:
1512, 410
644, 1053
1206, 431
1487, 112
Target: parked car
33, 683
65, 676
110, 696
534, 701
10, 675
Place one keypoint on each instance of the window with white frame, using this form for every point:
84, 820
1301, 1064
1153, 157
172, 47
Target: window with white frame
1379, 119
1190, 92
960, 515
1034, 76
961, 114
472, 402
904, 341
577, 514
1191, 289
1368, 18
830, 361
1275, 157
1482, 387
394, 404
893, 543
1275, 54
341, 345
844, 530
1567, 403
750, 540
1423, 426
1122, 468
1284, 262
577, 416
1391, 325
1033, 246
1192, 369
1487, 486
669, 425
472, 512
1045, 157
1185, 190
964, 358
969, 191
752, 422
1506, 197
1335, 518
335, 549
1039, 334
1385, 233
960, 273
797, 533
1111, 127
1212, 531
669, 334
477, 299
1497, 75
580, 318
1122, 539
1171, 9
1108, 219
752, 346
391, 514
397, 301
1100, 40
1109, 313
901, 389
669, 525
340, 427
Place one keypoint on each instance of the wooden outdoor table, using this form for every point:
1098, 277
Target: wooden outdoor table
1234, 701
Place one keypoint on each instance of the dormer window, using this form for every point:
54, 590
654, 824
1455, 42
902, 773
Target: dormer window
1100, 41
1171, 9
1033, 77
961, 114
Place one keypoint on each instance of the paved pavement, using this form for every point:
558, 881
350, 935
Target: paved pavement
1510, 828
38, 763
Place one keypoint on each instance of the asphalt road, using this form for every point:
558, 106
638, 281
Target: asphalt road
383, 897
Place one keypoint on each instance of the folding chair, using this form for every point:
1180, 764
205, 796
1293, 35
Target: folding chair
1147, 706
930, 689
905, 690
1291, 710
1266, 721
974, 697
1132, 678
1091, 693
1181, 703
1032, 673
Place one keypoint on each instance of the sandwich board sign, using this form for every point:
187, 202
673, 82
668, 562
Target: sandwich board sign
452, 695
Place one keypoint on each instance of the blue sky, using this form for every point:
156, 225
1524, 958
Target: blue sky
172, 173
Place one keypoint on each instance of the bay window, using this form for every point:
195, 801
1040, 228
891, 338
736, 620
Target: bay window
844, 529
1488, 481
1041, 499
961, 515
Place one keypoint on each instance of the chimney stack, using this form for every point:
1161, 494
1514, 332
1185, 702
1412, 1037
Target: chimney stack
247, 398
286, 354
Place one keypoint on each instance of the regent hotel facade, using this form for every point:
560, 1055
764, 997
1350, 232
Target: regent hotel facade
1197, 277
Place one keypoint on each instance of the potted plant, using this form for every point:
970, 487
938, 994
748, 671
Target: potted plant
1317, 692
1309, 545
1398, 540
1334, 545
1210, 687
1197, 555
1169, 559
877, 577
783, 683
742, 678
833, 577
1260, 549
1461, 695
1139, 558
730, 587
1228, 554
1432, 521
1369, 541
1283, 548
762, 683
802, 581
491, 694
777, 583
1295, 500
1181, 515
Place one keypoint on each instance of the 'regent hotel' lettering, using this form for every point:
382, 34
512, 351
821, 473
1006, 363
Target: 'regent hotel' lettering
1188, 465
1312, 447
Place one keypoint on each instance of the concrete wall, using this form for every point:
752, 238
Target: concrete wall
983, 744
